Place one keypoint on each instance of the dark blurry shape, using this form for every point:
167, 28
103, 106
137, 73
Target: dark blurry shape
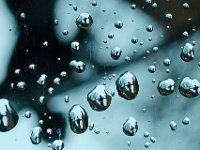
78, 119
127, 85
166, 87
8, 116
99, 98
84, 21
189, 87
130, 127
187, 53
36, 135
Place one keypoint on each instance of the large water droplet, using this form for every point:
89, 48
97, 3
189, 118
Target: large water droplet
78, 66
116, 53
187, 53
78, 119
57, 145
130, 127
36, 135
166, 87
84, 21
189, 87
127, 85
99, 98
8, 116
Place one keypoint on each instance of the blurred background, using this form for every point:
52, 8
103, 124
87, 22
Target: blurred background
40, 33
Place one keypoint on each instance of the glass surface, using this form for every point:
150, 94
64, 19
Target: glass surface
102, 75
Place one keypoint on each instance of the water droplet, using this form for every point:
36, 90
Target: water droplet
45, 44
65, 32
91, 126
166, 87
78, 119
146, 144
186, 121
8, 116
153, 139
32, 67
110, 35
27, 114
118, 24
51, 90
127, 85
152, 69
189, 87
130, 127
84, 21
133, 6
42, 80
49, 131
146, 134
99, 98
154, 5
134, 40
21, 85
168, 16
36, 135
66, 99
78, 66
41, 99
75, 47
187, 53
23, 16
116, 53
173, 125
149, 28
17, 72
167, 62
97, 131
57, 145
94, 3
186, 5
63, 74
56, 81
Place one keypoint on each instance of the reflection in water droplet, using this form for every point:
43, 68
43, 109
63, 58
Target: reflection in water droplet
127, 85
187, 53
130, 127
36, 135
57, 145
189, 88
78, 119
166, 87
99, 98
8, 116
84, 21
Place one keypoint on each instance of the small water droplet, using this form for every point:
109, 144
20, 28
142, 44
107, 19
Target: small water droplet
42, 80
84, 21
187, 53
36, 135
173, 125
78, 66
186, 121
166, 87
189, 87
116, 53
118, 24
57, 145
75, 47
152, 69
21, 85
130, 127
27, 114
149, 28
